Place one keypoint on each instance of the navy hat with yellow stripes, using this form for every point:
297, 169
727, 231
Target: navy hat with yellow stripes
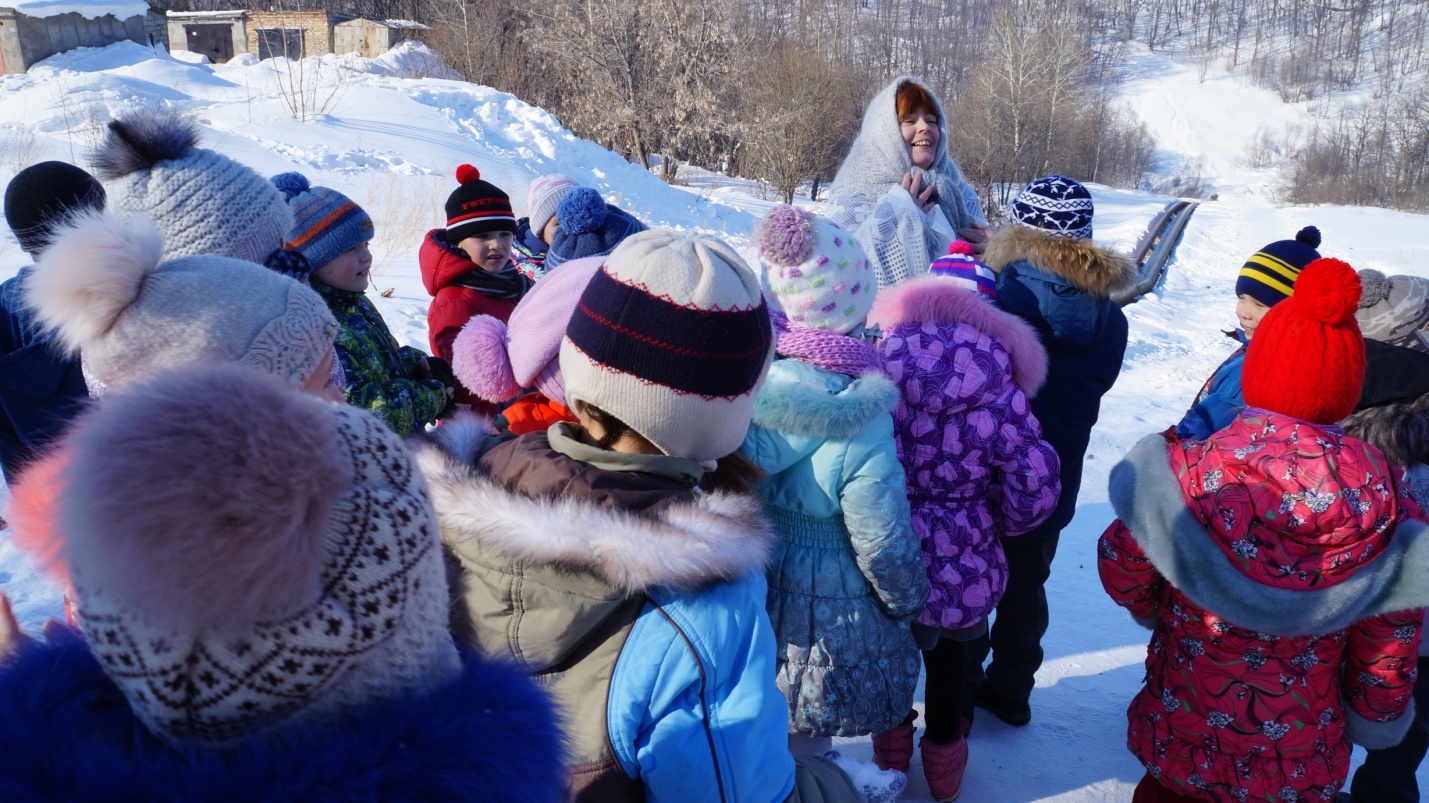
1269, 275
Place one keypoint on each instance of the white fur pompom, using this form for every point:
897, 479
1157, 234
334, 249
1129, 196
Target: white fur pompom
91, 272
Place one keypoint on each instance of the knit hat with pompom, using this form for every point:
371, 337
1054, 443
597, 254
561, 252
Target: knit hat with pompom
962, 266
542, 198
202, 202
1270, 273
104, 291
245, 556
1307, 359
814, 271
589, 227
476, 207
326, 223
496, 360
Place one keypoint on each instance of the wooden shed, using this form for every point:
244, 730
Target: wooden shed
220, 35
372, 38
28, 38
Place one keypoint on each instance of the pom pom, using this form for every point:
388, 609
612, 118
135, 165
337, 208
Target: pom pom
140, 141
1309, 236
786, 236
156, 518
465, 173
581, 211
1328, 290
961, 247
93, 270
1374, 287
481, 362
290, 184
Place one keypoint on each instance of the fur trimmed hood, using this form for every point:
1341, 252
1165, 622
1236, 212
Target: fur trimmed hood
934, 300
1081, 263
1148, 497
686, 546
801, 399
488, 734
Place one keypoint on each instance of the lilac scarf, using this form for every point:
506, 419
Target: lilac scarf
824, 349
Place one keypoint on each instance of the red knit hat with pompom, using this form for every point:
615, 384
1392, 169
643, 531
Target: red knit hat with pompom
1307, 359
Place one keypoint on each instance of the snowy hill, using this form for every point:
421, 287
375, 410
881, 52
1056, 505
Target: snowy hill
392, 144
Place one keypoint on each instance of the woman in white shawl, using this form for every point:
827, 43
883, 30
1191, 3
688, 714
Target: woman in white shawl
898, 191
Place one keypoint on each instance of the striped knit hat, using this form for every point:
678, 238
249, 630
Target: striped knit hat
961, 266
477, 207
542, 197
326, 223
1270, 273
673, 338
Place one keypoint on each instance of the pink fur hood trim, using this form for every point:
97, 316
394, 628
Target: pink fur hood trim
33, 509
934, 300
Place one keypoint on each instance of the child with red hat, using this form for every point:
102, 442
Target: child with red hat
467, 267
1279, 564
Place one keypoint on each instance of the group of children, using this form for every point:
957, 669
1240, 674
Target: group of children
681, 520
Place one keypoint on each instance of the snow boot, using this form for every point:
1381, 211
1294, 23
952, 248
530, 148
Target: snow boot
893, 749
943, 766
1013, 712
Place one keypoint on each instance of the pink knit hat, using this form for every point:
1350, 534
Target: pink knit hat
496, 360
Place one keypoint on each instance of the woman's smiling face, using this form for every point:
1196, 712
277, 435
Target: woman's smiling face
920, 134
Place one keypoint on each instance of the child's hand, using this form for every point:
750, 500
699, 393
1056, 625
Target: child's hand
423, 370
440, 370
977, 234
11, 636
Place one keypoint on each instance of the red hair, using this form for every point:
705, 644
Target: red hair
914, 99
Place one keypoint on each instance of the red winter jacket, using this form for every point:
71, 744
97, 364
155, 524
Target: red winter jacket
1283, 576
452, 306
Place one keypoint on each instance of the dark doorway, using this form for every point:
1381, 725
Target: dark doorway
286, 42
214, 41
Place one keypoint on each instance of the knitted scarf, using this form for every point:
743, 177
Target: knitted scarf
824, 349
509, 283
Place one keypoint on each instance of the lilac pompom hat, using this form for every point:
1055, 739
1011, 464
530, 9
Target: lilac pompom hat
496, 360
813, 270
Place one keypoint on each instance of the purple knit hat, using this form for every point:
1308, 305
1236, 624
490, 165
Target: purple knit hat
962, 266
496, 360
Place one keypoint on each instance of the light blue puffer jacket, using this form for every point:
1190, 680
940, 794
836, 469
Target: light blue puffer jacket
848, 573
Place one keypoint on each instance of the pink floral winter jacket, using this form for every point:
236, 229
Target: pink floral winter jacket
1283, 576
976, 465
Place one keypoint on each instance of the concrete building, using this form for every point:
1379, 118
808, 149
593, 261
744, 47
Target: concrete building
27, 38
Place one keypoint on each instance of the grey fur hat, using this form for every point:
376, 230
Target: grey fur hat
104, 291
203, 202
1394, 309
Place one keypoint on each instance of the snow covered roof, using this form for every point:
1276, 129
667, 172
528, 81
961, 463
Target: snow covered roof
91, 9
405, 24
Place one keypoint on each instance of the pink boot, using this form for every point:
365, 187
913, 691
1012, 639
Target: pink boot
943, 766
893, 749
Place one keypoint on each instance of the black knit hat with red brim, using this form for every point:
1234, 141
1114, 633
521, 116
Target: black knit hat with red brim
477, 207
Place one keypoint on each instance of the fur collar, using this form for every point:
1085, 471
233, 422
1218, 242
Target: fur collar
685, 546
931, 299
1147, 497
69, 735
800, 399
1081, 263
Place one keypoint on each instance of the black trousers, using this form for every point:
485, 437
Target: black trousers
1015, 638
943, 690
1387, 776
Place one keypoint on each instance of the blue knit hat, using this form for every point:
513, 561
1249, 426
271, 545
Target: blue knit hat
325, 222
1270, 273
589, 227
961, 266
1054, 204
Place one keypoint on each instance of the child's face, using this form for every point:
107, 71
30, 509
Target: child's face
1249, 312
349, 271
920, 134
548, 232
491, 251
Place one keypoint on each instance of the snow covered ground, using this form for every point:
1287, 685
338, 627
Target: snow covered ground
392, 144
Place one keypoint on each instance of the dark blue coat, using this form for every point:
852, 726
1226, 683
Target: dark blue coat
1220, 401
1063, 288
69, 735
41, 390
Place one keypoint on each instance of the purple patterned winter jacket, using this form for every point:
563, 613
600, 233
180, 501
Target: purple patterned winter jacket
976, 464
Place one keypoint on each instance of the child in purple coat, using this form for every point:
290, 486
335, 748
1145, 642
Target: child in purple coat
977, 467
